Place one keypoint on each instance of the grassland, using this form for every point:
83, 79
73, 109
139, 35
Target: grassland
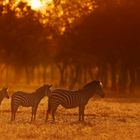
106, 119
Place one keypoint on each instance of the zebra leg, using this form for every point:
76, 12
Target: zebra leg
53, 114
12, 113
32, 116
34, 109
12, 116
47, 115
81, 112
34, 112
13, 110
48, 111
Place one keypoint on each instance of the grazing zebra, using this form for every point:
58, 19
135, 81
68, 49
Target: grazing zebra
72, 99
3, 94
21, 98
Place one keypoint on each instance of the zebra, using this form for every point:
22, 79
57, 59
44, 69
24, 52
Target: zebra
24, 99
3, 94
71, 99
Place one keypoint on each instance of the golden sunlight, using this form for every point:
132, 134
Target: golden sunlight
39, 5
36, 4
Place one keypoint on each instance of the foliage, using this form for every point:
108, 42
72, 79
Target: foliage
84, 39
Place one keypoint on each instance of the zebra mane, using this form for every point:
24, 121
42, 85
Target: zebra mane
91, 87
92, 84
40, 89
43, 89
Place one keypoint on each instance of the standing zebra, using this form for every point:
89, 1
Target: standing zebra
72, 99
3, 94
21, 98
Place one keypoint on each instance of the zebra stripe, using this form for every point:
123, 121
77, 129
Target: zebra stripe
72, 99
66, 98
21, 98
3, 94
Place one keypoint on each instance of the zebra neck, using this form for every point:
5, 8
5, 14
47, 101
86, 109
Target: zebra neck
39, 95
89, 93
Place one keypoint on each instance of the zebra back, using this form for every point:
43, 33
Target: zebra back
30, 99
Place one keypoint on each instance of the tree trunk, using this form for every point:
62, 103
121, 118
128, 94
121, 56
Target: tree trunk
132, 79
75, 76
62, 66
113, 77
27, 73
123, 78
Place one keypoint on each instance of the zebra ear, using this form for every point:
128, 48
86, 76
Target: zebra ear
101, 84
5, 88
50, 86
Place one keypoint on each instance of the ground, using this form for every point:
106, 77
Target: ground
106, 119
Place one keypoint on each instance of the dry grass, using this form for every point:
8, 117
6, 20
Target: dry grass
106, 119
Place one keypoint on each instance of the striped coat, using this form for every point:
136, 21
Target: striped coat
21, 98
72, 99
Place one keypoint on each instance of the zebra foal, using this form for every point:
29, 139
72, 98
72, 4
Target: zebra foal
3, 94
72, 99
24, 99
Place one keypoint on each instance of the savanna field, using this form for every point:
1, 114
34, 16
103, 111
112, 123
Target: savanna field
106, 119
67, 43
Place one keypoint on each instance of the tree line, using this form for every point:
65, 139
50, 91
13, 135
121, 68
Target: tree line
103, 44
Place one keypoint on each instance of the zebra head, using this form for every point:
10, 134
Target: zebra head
44, 90
93, 87
99, 89
47, 90
4, 91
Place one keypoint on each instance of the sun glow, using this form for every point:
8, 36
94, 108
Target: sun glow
36, 4
55, 13
39, 5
